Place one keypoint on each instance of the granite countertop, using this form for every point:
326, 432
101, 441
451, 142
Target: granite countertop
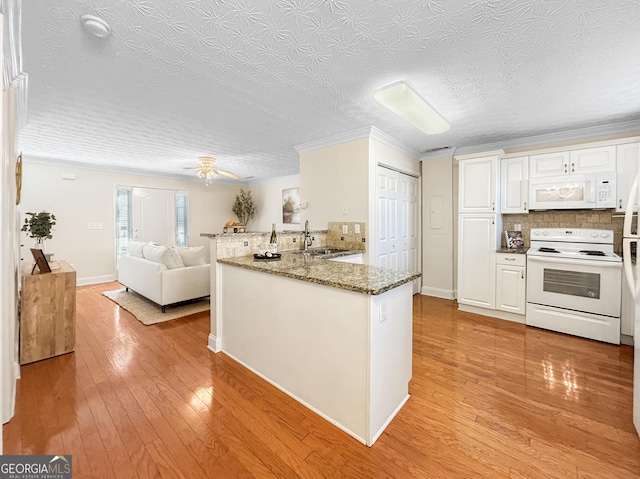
512, 251
257, 233
353, 277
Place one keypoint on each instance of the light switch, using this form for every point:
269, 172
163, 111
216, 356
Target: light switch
356, 228
345, 229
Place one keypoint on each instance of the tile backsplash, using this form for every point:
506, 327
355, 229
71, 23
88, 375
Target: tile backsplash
606, 220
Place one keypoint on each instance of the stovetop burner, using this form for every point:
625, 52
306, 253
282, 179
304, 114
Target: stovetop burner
544, 249
591, 252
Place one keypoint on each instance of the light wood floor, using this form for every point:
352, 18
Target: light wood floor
489, 399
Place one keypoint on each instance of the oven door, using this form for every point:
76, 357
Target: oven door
578, 285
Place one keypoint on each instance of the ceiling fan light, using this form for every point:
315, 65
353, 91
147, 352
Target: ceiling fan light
406, 103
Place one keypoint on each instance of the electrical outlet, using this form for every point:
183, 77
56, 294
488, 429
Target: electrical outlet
356, 228
345, 229
383, 312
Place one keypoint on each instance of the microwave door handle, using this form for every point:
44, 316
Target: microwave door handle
628, 214
628, 265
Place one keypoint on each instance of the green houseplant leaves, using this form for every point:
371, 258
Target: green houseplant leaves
39, 225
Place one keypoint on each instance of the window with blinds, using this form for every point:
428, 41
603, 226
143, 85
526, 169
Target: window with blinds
124, 218
182, 218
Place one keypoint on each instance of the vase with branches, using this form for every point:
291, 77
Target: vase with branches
244, 207
39, 226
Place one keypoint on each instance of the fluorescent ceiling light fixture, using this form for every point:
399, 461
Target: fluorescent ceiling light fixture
404, 102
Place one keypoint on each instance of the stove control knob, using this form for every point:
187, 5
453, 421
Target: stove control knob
605, 235
536, 233
545, 233
594, 235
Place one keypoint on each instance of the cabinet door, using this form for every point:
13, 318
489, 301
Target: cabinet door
510, 288
627, 158
477, 260
549, 164
593, 160
477, 183
514, 185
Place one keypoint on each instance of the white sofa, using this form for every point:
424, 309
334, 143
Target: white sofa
154, 273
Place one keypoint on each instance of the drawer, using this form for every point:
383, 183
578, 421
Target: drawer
513, 259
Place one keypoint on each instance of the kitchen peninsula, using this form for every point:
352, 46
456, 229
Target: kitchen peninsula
335, 336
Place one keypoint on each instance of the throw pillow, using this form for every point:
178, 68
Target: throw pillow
159, 254
134, 248
176, 256
192, 255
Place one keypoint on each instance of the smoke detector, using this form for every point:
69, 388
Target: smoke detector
96, 26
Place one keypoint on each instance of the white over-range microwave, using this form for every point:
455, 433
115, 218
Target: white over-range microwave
589, 191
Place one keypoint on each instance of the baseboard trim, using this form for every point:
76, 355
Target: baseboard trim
213, 344
305, 404
107, 278
388, 421
494, 313
437, 292
16, 370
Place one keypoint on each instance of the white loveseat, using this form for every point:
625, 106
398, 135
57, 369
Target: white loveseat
164, 274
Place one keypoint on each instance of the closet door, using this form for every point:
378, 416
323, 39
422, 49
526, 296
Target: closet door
398, 221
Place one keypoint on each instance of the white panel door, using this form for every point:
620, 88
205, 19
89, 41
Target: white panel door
627, 168
477, 180
477, 260
153, 215
387, 230
514, 185
398, 221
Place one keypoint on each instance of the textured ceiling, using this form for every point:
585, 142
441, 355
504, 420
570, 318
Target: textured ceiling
246, 80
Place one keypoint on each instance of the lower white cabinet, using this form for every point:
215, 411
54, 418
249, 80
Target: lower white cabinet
511, 274
477, 260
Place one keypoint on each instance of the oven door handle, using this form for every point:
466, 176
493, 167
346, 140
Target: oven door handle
577, 262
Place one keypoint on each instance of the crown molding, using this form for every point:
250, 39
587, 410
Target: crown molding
447, 152
367, 132
123, 170
555, 137
278, 179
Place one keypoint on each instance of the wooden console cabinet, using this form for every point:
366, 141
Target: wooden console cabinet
48, 313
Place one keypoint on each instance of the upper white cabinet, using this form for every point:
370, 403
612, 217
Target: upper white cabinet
514, 185
593, 160
478, 185
574, 162
627, 169
549, 164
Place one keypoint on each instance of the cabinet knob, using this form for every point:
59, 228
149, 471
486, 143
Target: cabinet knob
620, 203
525, 206
521, 274
572, 167
493, 206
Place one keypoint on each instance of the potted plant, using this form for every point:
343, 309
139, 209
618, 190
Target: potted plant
39, 226
244, 207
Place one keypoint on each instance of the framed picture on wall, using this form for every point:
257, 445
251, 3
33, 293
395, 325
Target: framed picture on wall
291, 206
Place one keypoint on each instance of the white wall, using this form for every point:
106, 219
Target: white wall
90, 198
267, 196
334, 177
437, 224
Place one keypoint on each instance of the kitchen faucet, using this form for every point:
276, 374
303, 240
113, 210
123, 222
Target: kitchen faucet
308, 241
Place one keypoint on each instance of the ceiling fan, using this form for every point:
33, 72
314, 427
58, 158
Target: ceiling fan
208, 171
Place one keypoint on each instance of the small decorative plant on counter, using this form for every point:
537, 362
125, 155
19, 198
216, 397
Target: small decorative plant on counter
39, 226
244, 207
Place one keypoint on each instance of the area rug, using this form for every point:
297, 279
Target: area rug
148, 312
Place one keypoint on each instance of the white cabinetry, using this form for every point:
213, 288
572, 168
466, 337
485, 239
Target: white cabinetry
477, 185
476, 260
593, 160
627, 169
549, 164
511, 282
514, 185
576, 162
